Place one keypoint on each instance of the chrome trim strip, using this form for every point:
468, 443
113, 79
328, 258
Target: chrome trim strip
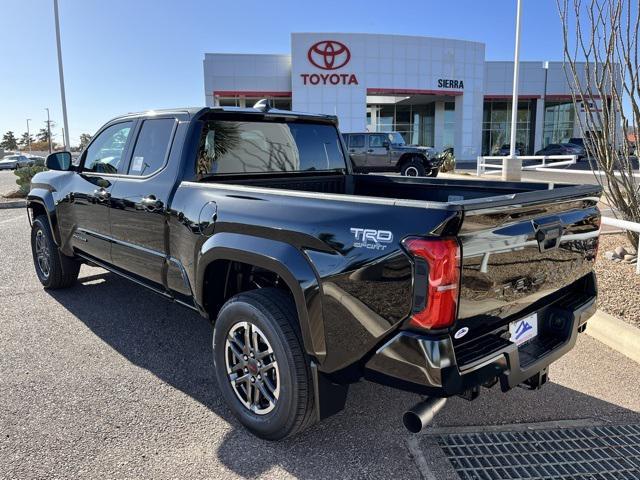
122, 243
324, 196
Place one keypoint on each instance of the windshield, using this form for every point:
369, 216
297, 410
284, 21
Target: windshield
395, 138
264, 147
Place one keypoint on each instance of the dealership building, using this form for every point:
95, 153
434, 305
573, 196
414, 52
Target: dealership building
436, 92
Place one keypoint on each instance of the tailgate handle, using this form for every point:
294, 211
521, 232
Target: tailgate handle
548, 235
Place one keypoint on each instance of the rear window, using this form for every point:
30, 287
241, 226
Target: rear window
263, 147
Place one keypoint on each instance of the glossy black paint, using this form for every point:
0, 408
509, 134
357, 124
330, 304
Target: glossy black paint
172, 231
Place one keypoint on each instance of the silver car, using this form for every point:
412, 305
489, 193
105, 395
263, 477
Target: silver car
12, 162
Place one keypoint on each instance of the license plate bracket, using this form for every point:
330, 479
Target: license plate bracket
524, 330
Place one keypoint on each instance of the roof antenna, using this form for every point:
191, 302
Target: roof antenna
263, 104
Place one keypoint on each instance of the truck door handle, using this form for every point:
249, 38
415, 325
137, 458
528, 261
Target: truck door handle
151, 203
101, 194
370, 150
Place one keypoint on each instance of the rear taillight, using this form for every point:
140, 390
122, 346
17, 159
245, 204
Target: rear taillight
436, 281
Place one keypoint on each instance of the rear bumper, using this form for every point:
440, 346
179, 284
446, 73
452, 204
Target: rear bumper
431, 365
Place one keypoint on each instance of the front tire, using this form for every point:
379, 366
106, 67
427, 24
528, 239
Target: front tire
261, 368
54, 269
413, 168
433, 172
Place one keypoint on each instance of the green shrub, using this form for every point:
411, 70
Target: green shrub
25, 174
449, 164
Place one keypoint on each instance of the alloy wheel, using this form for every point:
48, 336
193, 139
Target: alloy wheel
43, 253
411, 172
252, 368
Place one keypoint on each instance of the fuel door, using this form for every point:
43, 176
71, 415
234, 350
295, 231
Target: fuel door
207, 218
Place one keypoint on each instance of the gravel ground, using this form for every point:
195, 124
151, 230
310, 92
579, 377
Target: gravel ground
618, 283
7, 182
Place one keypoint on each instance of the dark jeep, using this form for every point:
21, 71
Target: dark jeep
385, 152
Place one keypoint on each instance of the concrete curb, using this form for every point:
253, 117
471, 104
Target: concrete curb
14, 204
616, 334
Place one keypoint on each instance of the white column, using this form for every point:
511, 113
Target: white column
459, 147
374, 118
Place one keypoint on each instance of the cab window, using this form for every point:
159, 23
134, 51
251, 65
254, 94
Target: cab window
152, 146
376, 140
104, 155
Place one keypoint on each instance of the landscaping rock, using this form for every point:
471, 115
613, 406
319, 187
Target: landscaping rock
620, 252
618, 283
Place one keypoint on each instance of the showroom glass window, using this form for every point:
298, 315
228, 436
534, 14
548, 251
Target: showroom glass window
448, 132
496, 126
228, 147
412, 117
104, 155
559, 119
281, 103
152, 146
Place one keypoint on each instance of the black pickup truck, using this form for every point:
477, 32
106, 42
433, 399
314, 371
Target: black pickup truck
314, 277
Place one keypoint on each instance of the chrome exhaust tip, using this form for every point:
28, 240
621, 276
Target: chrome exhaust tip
422, 414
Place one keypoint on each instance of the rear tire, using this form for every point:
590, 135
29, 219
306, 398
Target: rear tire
284, 404
54, 269
413, 168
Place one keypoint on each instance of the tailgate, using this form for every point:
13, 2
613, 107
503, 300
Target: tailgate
513, 256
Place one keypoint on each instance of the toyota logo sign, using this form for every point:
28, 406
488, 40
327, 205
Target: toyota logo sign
329, 54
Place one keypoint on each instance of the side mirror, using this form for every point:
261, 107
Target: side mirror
59, 161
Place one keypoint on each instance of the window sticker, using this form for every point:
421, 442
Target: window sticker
137, 164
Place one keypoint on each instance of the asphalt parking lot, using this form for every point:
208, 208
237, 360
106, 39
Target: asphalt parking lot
107, 380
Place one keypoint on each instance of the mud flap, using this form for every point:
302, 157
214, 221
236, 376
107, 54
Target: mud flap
330, 398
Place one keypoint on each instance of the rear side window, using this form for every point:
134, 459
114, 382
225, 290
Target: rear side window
152, 146
262, 147
357, 141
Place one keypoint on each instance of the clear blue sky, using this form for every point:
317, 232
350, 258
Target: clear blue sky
130, 55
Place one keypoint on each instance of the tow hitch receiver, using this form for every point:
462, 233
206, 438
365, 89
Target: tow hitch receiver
537, 381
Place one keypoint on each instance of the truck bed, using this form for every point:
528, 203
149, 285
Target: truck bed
507, 266
470, 194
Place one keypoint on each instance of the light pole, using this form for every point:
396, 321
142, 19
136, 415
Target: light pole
28, 135
545, 66
62, 94
512, 167
48, 129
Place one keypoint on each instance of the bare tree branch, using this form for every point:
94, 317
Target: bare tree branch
601, 64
